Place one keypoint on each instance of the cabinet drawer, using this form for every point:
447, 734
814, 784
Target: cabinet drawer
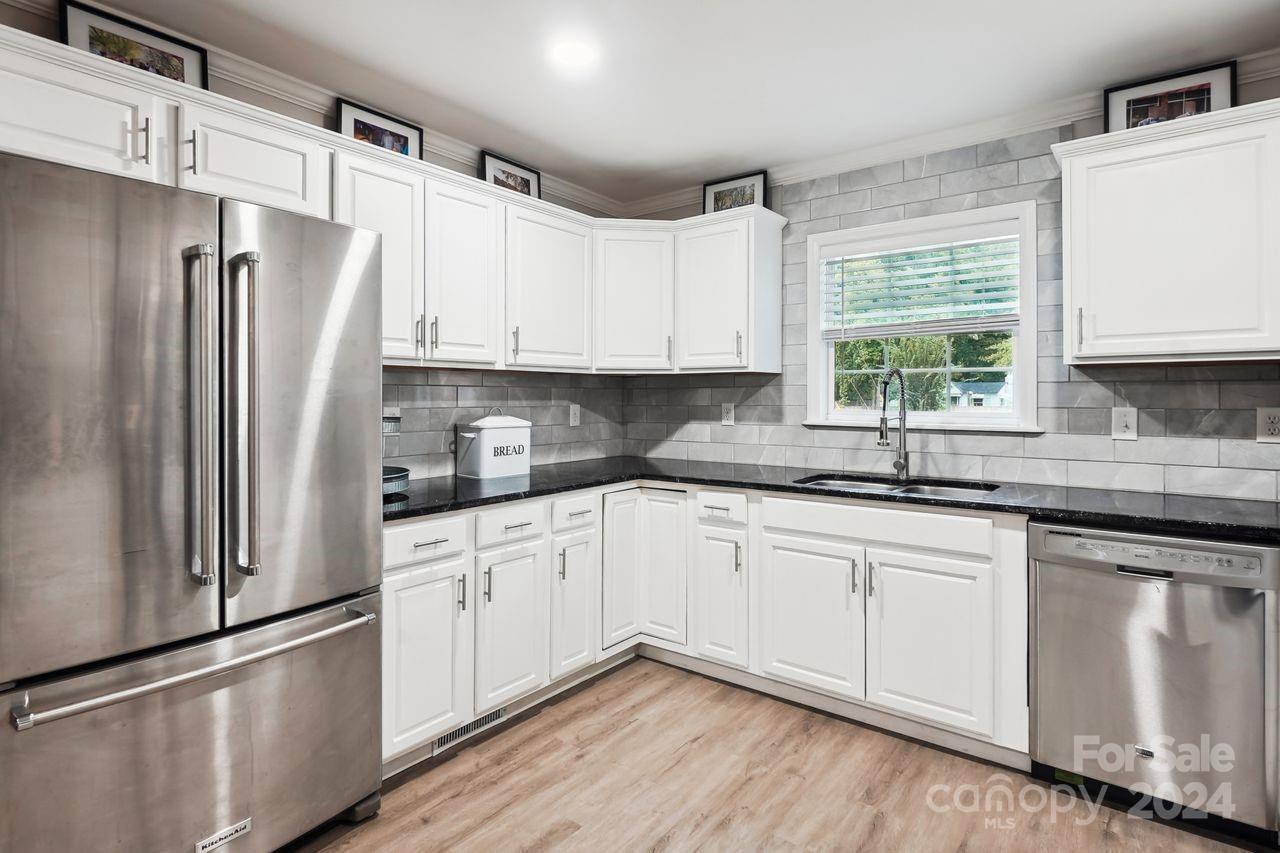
423, 540
510, 524
723, 506
960, 534
579, 511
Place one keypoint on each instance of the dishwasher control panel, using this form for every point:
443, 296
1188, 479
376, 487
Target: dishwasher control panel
1157, 558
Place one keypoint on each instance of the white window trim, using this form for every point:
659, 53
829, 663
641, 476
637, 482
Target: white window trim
1020, 218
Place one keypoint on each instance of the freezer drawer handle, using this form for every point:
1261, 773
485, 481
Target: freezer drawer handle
24, 718
204, 418
247, 487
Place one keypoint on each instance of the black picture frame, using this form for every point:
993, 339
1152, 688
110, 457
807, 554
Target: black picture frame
1232, 90
762, 174
348, 107
488, 158
65, 35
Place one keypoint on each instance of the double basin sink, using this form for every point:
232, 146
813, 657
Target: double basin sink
954, 491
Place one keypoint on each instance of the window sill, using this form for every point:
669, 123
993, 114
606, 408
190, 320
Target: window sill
926, 424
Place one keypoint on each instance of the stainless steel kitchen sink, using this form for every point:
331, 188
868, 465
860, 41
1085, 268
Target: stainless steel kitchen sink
957, 491
960, 492
850, 485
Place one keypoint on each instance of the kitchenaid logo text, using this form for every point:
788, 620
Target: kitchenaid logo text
220, 838
508, 450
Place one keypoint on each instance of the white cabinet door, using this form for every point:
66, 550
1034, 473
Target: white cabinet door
718, 594
621, 573
713, 292
427, 635
464, 293
664, 543
548, 290
575, 565
811, 618
635, 297
1169, 245
226, 154
512, 624
931, 638
391, 201
55, 113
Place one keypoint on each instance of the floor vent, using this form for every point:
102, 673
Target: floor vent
459, 733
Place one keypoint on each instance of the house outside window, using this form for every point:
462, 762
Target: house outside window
948, 299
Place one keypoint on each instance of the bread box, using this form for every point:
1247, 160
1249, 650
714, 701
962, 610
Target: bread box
496, 445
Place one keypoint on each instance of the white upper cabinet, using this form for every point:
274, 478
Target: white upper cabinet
1169, 245
714, 294
729, 291
635, 299
548, 290
464, 292
812, 627
931, 638
223, 153
391, 200
55, 113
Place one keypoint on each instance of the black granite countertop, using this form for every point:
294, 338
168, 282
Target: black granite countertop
1145, 512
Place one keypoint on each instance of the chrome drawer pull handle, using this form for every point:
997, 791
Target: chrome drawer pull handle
430, 542
518, 526
578, 512
718, 508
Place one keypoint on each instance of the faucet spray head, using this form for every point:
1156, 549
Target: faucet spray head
883, 439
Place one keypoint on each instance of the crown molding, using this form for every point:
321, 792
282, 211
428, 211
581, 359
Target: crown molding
256, 77
1258, 66
657, 203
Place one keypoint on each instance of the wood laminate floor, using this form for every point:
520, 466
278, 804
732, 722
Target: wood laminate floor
651, 757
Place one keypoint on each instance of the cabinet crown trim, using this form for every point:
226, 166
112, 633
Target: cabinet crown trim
1136, 136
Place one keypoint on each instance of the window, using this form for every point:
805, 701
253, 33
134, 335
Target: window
947, 299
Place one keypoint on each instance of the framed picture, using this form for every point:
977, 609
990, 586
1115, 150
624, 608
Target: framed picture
1174, 96
736, 191
496, 169
105, 34
367, 125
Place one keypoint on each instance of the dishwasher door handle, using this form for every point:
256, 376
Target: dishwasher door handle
1155, 574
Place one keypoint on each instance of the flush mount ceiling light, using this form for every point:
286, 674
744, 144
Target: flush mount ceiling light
573, 54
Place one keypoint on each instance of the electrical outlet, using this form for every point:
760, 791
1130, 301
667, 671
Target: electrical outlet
1124, 423
1269, 426
575, 414
726, 414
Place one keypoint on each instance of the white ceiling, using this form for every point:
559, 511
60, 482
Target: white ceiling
690, 90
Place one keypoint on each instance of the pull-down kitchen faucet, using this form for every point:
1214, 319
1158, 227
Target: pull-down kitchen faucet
902, 464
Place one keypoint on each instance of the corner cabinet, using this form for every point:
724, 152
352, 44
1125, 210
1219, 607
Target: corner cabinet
645, 562
548, 290
1169, 249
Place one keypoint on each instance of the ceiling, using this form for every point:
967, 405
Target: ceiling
689, 90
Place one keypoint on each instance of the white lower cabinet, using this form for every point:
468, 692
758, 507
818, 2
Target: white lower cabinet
645, 564
931, 638
427, 635
512, 623
812, 627
620, 608
575, 561
718, 594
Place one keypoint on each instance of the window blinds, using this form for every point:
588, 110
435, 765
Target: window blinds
968, 285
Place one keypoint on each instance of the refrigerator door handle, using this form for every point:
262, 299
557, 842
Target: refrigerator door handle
247, 471
203, 417
23, 718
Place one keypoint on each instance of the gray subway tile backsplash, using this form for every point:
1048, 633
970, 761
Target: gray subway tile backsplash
1195, 422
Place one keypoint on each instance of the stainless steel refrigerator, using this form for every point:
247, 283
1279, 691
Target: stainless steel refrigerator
190, 516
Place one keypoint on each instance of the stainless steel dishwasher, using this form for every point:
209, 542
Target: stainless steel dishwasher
1153, 666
